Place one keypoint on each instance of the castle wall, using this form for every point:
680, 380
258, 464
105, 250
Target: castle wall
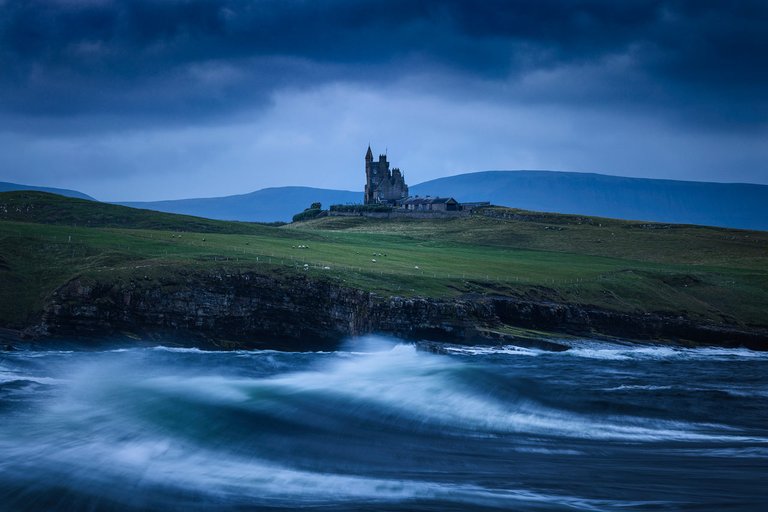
401, 214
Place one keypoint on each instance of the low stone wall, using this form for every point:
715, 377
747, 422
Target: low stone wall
400, 214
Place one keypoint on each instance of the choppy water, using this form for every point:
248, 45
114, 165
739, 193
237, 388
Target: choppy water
385, 427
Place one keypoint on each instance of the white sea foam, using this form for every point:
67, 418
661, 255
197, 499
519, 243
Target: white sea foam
547, 451
746, 452
629, 387
6, 377
736, 392
624, 352
42, 353
761, 392
183, 350
591, 349
485, 350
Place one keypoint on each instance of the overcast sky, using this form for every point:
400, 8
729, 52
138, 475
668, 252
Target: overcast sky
164, 99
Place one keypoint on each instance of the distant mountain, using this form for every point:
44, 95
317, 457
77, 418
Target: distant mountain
265, 205
715, 204
11, 187
734, 205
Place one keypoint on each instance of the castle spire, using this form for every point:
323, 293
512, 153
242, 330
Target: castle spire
369, 154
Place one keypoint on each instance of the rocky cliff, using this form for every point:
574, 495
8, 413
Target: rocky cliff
244, 308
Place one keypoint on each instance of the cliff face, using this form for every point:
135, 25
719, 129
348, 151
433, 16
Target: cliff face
248, 307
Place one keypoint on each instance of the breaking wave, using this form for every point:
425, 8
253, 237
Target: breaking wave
379, 422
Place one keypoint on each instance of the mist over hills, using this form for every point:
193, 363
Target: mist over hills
10, 187
716, 204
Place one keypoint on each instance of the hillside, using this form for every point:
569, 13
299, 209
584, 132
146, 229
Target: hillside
10, 187
611, 275
265, 205
714, 204
46, 208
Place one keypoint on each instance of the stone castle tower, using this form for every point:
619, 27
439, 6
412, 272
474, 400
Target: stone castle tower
383, 186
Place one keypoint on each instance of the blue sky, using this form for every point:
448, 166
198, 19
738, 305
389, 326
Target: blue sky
141, 100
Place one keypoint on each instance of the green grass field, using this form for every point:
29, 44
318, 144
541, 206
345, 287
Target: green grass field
713, 274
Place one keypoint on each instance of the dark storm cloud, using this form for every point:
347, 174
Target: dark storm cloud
181, 60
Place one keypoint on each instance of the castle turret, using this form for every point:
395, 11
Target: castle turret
368, 197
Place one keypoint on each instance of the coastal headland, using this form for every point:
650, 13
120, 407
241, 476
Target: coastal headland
72, 267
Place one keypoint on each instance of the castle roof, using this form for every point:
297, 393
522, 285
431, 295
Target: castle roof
369, 154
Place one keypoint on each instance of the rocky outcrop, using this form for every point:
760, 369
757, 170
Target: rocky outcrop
246, 307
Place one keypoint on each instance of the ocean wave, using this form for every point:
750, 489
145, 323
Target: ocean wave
414, 388
377, 422
116, 468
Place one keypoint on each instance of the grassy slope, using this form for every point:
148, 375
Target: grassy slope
709, 273
42, 207
712, 273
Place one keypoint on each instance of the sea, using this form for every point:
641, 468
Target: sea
381, 424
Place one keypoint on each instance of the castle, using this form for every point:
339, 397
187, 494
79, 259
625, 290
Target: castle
383, 186
387, 188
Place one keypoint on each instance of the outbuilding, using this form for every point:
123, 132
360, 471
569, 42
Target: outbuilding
440, 204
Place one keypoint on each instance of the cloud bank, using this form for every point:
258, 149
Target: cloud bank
149, 100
